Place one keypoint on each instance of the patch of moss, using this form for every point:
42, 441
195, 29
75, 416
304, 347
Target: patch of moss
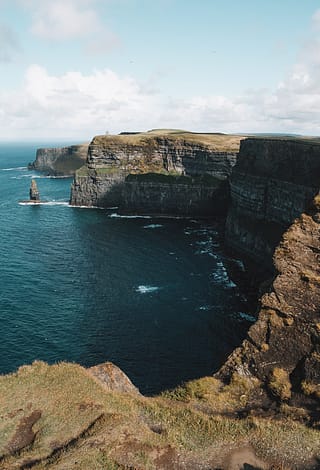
174, 178
316, 202
279, 383
82, 171
99, 171
310, 388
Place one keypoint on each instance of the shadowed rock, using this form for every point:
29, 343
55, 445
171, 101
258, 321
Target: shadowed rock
60, 161
24, 435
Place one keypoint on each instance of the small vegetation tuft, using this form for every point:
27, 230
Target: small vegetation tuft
279, 383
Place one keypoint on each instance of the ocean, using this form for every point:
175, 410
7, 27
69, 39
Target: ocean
152, 295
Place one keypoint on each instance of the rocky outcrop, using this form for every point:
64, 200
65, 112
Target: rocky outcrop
34, 192
112, 378
272, 183
157, 173
282, 348
184, 153
60, 161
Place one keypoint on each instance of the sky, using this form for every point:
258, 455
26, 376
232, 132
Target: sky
72, 69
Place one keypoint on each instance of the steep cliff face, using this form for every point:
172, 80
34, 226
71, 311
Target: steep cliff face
271, 184
153, 172
60, 161
282, 348
275, 220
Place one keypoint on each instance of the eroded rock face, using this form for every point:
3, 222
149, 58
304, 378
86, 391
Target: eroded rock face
272, 183
112, 378
286, 336
158, 153
34, 192
187, 173
60, 161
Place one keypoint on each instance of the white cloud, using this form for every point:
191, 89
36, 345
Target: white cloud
105, 42
79, 106
63, 19
60, 20
73, 105
316, 20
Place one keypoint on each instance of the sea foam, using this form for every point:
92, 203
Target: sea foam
118, 216
153, 226
146, 289
17, 168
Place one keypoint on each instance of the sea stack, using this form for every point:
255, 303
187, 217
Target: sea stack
34, 192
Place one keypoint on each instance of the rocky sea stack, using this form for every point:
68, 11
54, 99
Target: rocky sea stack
34, 192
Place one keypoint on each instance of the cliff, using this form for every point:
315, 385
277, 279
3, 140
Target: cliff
60, 161
157, 172
261, 410
272, 183
274, 219
282, 348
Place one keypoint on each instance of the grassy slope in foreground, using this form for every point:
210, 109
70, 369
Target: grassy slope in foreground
61, 417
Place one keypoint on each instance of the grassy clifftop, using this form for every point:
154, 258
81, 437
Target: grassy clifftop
214, 141
62, 417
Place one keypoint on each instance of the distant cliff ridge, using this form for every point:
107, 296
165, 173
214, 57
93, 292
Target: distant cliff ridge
60, 161
157, 172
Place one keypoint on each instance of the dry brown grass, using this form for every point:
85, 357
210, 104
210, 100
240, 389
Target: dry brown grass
215, 142
77, 424
279, 383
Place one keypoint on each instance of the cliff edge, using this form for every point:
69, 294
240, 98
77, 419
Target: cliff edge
157, 172
62, 161
272, 183
274, 220
67, 417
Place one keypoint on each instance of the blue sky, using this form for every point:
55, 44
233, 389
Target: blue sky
71, 69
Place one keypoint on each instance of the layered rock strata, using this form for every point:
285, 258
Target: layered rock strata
157, 173
272, 183
60, 161
282, 348
34, 192
274, 219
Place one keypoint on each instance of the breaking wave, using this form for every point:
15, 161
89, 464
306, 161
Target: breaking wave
44, 203
118, 216
146, 289
17, 168
153, 226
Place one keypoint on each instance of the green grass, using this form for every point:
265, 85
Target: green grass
91, 428
162, 176
174, 178
213, 141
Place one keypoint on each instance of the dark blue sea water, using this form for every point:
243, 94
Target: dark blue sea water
83, 285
